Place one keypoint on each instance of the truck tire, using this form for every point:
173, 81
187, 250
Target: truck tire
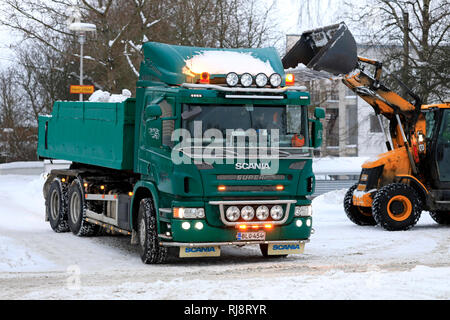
397, 206
361, 216
265, 252
77, 212
56, 206
150, 250
441, 217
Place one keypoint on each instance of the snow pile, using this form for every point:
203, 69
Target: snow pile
105, 96
338, 165
22, 164
223, 62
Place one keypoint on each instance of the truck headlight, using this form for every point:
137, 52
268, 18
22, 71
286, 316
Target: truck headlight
232, 79
262, 213
303, 211
276, 212
246, 80
275, 80
247, 213
189, 213
261, 80
233, 213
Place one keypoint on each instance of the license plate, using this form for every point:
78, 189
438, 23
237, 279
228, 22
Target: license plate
249, 236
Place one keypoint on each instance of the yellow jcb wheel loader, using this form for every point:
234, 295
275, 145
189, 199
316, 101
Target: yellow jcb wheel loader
414, 174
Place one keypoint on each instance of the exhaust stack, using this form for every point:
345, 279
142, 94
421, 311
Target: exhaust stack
331, 49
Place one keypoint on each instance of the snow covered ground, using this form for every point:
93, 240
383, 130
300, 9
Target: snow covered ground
342, 261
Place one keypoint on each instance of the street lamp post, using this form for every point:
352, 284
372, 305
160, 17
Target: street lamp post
81, 29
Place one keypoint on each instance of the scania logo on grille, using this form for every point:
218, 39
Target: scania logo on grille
247, 166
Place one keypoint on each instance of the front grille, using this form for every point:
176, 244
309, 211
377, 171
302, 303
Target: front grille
251, 188
369, 177
251, 177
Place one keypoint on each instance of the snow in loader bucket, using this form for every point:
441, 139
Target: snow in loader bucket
331, 49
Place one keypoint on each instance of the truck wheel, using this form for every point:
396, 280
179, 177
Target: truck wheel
77, 212
361, 216
265, 252
396, 207
150, 250
441, 217
55, 206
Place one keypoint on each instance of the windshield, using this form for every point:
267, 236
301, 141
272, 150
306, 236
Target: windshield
284, 125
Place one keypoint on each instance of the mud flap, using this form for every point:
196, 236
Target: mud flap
193, 252
331, 49
288, 248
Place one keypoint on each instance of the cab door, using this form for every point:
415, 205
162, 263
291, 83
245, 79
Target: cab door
443, 150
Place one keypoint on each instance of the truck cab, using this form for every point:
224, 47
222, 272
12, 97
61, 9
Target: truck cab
222, 148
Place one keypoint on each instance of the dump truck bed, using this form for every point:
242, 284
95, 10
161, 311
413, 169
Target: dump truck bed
96, 133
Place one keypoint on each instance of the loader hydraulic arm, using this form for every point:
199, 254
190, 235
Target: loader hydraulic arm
382, 99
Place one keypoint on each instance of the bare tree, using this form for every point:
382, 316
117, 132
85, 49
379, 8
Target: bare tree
16, 135
411, 38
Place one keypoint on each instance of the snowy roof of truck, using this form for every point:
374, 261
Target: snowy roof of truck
172, 64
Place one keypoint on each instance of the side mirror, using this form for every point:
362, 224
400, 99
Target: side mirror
317, 131
153, 111
319, 113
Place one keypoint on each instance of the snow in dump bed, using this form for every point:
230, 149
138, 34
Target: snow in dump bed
223, 62
105, 96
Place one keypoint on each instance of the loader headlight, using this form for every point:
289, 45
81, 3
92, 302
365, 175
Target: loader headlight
246, 80
232, 79
261, 80
275, 80
233, 213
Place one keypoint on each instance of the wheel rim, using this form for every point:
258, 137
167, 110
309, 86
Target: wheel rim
54, 207
75, 207
399, 208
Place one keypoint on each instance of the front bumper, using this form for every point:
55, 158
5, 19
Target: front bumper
296, 229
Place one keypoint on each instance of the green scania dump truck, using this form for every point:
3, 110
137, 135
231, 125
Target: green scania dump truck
215, 150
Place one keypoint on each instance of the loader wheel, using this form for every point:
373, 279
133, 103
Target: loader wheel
441, 217
77, 212
359, 215
150, 250
55, 206
396, 207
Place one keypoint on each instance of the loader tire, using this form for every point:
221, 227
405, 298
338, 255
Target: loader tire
361, 216
56, 206
150, 250
441, 217
396, 206
77, 212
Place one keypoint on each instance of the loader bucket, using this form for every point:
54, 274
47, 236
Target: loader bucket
331, 49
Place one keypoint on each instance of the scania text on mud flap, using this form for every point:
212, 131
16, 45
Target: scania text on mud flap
207, 155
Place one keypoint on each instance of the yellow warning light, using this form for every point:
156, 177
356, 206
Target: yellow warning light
290, 79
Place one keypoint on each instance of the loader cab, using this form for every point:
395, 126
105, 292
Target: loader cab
438, 141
